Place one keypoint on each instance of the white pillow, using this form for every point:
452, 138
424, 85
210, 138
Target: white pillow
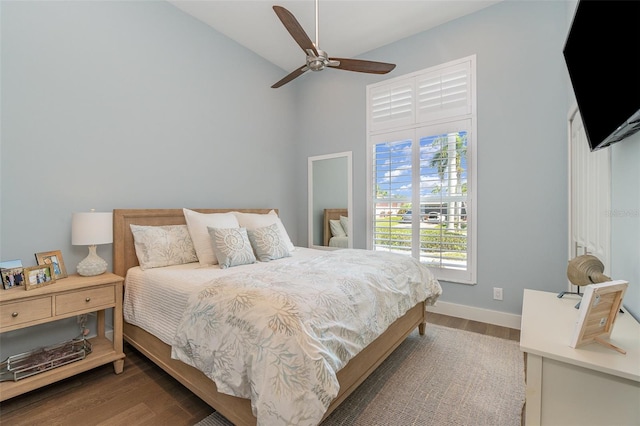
231, 246
344, 221
336, 228
198, 223
268, 243
158, 246
256, 220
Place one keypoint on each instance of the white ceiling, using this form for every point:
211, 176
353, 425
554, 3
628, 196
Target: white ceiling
347, 28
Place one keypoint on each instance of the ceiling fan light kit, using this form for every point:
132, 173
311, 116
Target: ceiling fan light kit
316, 59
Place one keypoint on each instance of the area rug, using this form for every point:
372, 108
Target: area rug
448, 377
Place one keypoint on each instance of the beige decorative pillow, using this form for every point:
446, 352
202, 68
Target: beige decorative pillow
198, 223
336, 228
268, 244
256, 220
231, 246
158, 246
344, 221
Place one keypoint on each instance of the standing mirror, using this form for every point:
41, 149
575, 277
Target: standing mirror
330, 203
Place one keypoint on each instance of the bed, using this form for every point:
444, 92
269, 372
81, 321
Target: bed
236, 409
331, 238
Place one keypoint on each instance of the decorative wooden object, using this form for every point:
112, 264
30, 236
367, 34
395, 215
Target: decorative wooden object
584, 270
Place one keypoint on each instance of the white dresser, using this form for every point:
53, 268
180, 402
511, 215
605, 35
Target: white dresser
589, 385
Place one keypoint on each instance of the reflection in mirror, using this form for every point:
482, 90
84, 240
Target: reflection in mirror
330, 201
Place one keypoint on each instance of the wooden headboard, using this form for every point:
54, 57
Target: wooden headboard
124, 252
331, 214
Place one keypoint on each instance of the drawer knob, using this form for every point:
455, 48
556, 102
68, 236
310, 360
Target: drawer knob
14, 314
88, 299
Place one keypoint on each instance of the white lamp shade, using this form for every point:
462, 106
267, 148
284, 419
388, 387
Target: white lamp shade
91, 228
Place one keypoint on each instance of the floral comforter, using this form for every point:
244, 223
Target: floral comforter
279, 336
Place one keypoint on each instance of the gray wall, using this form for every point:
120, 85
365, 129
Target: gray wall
522, 140
129, 105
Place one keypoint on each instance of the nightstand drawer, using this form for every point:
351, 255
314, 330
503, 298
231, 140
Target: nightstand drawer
85, 300
17, 313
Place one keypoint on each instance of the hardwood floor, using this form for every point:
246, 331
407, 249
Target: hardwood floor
474, 326
143, 394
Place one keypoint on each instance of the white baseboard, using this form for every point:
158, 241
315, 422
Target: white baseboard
476, 314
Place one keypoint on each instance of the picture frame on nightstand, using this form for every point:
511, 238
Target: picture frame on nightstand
598, 312
53, 258
38, 276
12, 274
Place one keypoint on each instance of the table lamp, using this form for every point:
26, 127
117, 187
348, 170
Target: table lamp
90, 229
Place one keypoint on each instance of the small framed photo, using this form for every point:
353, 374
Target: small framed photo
599, 309
12, 274
38, 276
53, 258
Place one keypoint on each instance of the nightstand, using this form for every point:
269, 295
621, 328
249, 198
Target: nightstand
66, 298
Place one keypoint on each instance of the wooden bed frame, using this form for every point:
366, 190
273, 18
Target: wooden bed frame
237, 410
331, 214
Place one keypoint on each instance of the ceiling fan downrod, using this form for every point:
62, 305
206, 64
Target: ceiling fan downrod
317, 31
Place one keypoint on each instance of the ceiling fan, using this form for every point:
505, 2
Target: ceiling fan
317, 59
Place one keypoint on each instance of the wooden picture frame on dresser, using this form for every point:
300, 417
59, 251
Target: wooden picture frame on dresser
55, 259
73, 296
38, 276
599, 309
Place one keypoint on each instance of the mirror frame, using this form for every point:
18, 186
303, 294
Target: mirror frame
348, 155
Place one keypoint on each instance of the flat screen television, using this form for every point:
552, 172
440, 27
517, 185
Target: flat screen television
602, 53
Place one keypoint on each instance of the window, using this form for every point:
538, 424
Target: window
421, 168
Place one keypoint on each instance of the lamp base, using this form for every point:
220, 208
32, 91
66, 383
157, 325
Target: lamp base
92, 264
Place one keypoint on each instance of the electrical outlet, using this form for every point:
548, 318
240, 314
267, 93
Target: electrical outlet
497, 293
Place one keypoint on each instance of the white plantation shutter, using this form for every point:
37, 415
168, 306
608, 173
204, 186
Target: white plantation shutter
421, 168
392, 106
444, 93
421, 98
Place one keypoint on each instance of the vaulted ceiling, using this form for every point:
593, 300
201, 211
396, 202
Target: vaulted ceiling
347, 28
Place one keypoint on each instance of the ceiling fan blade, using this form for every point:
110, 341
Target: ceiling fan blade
291, 76
295, 29
362, 66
